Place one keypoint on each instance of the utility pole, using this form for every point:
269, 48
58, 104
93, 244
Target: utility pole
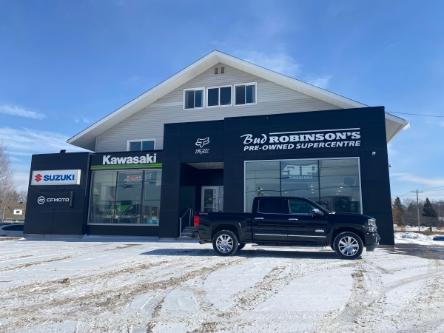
417, 208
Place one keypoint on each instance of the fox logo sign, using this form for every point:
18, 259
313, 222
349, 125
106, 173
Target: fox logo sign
202, 142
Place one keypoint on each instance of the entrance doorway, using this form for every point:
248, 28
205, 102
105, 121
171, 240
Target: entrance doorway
212, 199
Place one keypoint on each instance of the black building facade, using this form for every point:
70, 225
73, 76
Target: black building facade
335, 157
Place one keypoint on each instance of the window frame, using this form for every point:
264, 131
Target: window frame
115, 189
139, 140
247, 209
219, 105
193, 89
246, 84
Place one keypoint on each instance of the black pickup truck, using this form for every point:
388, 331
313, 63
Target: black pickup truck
288, 221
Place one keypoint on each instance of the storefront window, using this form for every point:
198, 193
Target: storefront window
300, 179
103, 191
334, 183
128, 195
151, 197
262, 179
125, 197
339, 182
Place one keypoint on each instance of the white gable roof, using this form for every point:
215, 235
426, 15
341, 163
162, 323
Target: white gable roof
86, 138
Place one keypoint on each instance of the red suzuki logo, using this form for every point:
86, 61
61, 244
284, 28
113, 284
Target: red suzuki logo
38, 177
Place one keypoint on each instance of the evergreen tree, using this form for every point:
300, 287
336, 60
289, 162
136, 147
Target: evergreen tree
398, 212
429, 214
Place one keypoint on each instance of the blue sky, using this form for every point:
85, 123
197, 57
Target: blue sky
65, 64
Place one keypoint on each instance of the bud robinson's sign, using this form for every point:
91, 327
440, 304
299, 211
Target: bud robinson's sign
315, 139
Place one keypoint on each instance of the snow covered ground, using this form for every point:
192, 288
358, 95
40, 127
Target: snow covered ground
93, 285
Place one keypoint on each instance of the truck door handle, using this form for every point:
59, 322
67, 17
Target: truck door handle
293, 219
258, 218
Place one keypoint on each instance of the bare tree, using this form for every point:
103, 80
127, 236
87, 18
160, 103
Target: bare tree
8, 195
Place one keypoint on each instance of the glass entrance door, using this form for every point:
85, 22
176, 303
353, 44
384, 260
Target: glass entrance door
212, 199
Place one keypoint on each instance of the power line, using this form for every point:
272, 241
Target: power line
420, 114
417, 208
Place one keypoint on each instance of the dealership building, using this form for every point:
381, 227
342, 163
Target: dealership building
211, 138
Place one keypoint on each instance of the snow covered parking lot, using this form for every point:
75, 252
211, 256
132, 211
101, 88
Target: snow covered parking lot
93, 285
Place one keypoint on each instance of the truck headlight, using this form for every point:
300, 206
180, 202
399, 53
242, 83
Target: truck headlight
371, 224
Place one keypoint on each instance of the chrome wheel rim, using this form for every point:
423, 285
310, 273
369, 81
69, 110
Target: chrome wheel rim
224, 243
348, 246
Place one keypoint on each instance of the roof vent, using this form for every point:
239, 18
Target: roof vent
219, 70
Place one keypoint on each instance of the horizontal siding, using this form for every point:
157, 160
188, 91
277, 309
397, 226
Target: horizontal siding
148, 123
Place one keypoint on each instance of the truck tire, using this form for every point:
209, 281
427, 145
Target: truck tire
225, 243
348, 245
241, 246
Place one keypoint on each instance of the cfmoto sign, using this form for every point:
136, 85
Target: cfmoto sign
41, 200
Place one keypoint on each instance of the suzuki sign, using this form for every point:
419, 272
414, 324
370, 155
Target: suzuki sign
55, 177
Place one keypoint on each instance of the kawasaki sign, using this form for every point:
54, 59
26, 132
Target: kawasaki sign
314, 139
117, 161
55, 177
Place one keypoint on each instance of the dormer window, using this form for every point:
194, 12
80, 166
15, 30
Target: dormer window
219, 96
245, 93
193, 98
139, 145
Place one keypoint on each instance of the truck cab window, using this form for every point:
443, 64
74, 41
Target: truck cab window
273, 206
298, 206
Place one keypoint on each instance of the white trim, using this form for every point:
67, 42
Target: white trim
271, 235
307, 159
194, 89
219, 105
245, 84
309, 236
139, 140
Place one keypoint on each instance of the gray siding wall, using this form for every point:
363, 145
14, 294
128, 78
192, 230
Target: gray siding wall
148, 122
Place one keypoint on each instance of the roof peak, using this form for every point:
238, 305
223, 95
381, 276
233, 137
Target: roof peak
86, 138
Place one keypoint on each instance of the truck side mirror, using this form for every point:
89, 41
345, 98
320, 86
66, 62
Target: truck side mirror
317, 212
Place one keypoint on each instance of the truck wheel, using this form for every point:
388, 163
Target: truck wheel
348, 245
241, 246
225, 243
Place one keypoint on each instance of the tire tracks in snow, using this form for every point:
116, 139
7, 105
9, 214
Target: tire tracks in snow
33, 263
196, 291
425, 311
365, 304
52, 286
94, 304
275, 280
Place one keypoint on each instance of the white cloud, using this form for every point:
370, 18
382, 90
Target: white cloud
82, 120
18, 111
411, 178
321, 82
279, 62
21, 143
283, 63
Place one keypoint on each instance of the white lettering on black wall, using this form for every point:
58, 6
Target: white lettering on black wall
143, 159
316, 139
